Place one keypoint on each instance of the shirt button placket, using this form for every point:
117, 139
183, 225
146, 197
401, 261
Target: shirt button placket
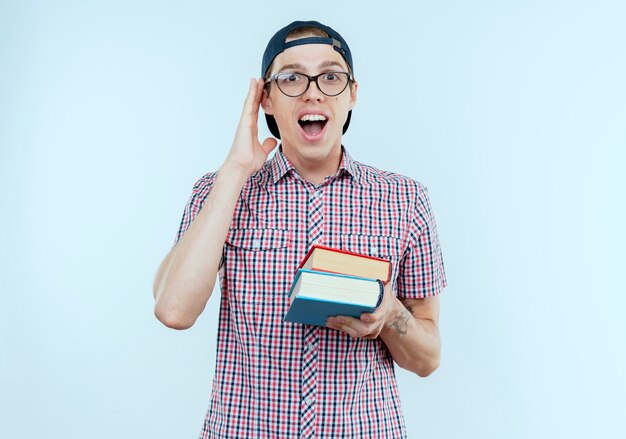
315, 232
308, 408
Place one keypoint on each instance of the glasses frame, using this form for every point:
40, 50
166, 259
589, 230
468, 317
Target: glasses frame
274, 77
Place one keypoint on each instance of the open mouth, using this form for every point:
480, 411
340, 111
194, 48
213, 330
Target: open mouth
312, 124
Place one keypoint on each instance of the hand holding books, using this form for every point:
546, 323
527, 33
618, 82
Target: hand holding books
369, 325
333, 282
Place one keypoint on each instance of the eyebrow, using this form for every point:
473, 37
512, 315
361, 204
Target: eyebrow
298, 66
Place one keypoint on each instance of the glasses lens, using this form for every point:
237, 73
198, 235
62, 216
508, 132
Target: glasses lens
292, 84
295, 84
333, 83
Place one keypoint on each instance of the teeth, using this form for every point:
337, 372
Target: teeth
312, 117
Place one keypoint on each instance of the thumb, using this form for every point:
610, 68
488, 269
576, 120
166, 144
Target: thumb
268, 145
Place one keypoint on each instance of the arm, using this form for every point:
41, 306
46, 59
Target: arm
412, 334
409, 328
186, 277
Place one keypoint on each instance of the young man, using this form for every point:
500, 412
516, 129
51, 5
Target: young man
252, 222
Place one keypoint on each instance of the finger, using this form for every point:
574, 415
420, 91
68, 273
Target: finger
352, 325
343, 328
258, 92
351, 332
354, 333
379, 313
374, 317
268, 145
249, 107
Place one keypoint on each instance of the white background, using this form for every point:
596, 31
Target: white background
511, 113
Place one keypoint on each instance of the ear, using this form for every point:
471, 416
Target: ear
353, 93
266, 101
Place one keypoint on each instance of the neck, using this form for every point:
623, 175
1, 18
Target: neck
315, 167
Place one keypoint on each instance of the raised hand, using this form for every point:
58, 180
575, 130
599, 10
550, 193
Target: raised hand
246, 152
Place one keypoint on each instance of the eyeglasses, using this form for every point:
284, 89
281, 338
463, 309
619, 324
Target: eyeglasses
295, 84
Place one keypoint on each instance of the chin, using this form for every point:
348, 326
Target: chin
316, 150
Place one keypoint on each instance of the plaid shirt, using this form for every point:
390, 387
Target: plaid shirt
276, 379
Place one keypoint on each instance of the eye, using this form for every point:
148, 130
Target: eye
331, 77
291, 77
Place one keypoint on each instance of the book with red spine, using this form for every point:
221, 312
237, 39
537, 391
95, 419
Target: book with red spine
334, 260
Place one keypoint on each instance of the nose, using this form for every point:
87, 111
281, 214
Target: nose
313, 93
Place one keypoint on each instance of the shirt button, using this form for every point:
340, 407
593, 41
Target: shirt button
309, 401
308, 348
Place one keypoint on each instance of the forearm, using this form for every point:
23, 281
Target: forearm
414, 343
187, 275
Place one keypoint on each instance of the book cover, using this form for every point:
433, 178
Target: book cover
349, 296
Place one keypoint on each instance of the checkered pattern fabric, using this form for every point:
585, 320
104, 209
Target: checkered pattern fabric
276, 379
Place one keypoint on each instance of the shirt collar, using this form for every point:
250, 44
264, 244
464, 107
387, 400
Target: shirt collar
280, 165
350, 166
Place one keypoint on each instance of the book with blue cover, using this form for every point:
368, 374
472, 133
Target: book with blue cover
316, 295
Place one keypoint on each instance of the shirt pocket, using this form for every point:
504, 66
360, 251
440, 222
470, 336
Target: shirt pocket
258, 272
259, 239
257, 264
379, 246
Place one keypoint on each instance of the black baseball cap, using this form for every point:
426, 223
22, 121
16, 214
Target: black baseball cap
277, 45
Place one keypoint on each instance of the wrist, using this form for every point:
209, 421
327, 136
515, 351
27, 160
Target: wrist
397, 319
235, 169
392, 311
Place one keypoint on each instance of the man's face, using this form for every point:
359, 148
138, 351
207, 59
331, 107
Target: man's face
307, 142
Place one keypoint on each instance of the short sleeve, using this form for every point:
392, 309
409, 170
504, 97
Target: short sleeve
421, 273
200, 191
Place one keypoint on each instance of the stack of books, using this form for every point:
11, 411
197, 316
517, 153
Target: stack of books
333, 282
